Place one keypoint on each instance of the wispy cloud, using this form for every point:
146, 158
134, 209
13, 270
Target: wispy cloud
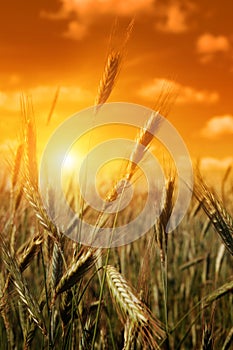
208, 45
186, 94
218, 126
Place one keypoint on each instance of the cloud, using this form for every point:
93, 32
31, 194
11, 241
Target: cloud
96, 7
208, 45
14, 79
75, 31
8, 145
83, 13
175, 16
218, 126
214, 169
210, 163
76, 94
9, 102
71, 96
43, 95
186, 94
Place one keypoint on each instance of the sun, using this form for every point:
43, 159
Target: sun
69, 162
72, 162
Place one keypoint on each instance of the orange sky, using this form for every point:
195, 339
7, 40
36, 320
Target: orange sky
49, 43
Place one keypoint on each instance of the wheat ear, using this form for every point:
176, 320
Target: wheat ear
34, 200
31, 168
78, 268
26, 256
108, 79
161, 235
17, 165
21, 286
142, 143
131, 307
66, 308
29, 140
111, 70
218, 215
29, 335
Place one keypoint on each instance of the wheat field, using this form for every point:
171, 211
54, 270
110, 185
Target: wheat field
163, 291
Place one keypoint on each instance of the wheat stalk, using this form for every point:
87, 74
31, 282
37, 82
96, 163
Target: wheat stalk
218, 293
207, 338
16, 193
5, 314
228, 341
130, 335
53, 105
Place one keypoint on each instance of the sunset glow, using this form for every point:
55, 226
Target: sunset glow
185, 45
